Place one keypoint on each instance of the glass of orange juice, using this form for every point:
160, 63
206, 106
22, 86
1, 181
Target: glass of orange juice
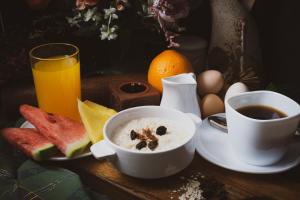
56, 74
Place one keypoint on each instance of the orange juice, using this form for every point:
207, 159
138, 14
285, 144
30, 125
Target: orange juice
57, 85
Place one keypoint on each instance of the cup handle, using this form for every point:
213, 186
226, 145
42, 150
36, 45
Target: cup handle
101, 150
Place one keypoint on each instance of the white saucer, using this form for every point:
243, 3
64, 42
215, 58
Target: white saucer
59, 157
212, 144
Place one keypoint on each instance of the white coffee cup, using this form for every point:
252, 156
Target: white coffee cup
261, 142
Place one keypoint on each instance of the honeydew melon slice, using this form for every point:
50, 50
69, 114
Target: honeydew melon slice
100, 109
94, 117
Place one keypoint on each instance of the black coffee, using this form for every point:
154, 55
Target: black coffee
261, 112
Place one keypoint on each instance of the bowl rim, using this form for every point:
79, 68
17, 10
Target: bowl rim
107, 139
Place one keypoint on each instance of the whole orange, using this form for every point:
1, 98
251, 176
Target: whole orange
168, 63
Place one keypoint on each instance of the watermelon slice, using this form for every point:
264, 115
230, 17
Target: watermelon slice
68, 135
30, 142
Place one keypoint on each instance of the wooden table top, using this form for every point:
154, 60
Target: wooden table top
225, 184
216, 182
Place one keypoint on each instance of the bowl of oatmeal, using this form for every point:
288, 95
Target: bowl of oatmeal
148, 141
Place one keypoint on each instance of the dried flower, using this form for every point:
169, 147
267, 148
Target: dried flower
172, 10
167, 13
91, 14
108, 32
82, 4
121, 4
110, 13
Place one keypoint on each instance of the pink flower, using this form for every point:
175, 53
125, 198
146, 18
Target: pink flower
168, 13
82, 4
172, 10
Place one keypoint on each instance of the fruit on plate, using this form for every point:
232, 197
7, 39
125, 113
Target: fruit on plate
68, 135
94, 117
29, 141
100, 109
168, 63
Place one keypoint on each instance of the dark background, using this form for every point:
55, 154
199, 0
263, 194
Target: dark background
278, 24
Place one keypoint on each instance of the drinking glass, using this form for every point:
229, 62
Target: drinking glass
56, 74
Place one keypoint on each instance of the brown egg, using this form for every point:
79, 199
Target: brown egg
211, 104
210, 82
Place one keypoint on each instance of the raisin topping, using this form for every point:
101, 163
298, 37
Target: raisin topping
133, 135
161, 130
153, 144
141, 144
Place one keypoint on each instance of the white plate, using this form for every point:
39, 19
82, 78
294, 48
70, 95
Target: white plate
27, 124
213, 145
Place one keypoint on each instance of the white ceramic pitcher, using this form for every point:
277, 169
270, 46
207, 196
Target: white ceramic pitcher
180, 93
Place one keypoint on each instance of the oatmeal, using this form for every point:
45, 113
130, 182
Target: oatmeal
150, 134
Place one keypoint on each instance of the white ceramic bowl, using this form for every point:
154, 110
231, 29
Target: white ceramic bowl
149, 165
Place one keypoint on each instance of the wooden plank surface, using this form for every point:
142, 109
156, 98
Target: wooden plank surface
219, 183
101, 174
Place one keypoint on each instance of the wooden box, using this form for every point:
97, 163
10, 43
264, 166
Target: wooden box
127, 94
